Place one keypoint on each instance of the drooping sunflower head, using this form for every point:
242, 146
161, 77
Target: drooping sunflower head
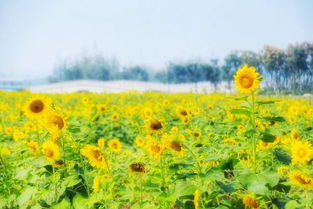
94, 155
299, 179
51, 150
247, 80
36, 107
301, 152
137, 168
155, 126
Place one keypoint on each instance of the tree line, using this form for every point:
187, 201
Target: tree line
287, 70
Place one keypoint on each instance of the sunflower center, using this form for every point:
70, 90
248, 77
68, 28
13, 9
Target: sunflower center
301, 153
97, 155
156, 125
155, 148
137, 167
49, 153
36, 106
183, 112
246, 81
58, 121
301, 180
176, 146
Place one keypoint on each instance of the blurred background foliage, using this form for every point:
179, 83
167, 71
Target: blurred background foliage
285, 71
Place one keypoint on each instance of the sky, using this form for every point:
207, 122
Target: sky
36, 34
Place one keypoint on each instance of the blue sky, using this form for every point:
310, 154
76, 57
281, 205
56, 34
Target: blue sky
36, 34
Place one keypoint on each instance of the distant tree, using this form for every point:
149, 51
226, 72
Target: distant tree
138, 73
161, 76
86, 67
296, 65
212, 72
231, 64
274, 61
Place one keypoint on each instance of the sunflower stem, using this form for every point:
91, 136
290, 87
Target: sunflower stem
253, 135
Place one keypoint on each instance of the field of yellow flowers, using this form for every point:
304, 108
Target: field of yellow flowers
155, 150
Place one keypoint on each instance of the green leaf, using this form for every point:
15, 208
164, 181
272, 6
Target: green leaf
228, 188
276, 119
282, 156
64, 204
79, 202
265, 102
184, 188
292, 204
71, 181
250, 132
26, 196
240, 112
267, 137
259, 183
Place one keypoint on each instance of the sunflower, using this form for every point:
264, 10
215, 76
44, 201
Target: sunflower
155, 126
154, 148
196, 199
230, 141
37, 107
301, 152
247, 80
114, 117
115, 145
250, 201
8, 131
34, 146
101, 142
94, 155
5, 151
139, 141
182, 112
137, 168
96, 184
282, 170
294, 134
51, 150
102, 108
55, 121
301, 180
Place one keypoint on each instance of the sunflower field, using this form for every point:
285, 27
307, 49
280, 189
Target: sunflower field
155, 150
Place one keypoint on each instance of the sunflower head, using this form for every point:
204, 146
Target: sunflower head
250, 201
299, 179
37, 107
301, 152
155, 126
51, 150
94, 155
115, 145
137, 168
247, 80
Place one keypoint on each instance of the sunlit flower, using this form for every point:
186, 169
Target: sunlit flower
247, 80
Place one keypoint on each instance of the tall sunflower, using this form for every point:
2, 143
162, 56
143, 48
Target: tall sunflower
247, 80
301, 152
51, 150
54, 122
37, 107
